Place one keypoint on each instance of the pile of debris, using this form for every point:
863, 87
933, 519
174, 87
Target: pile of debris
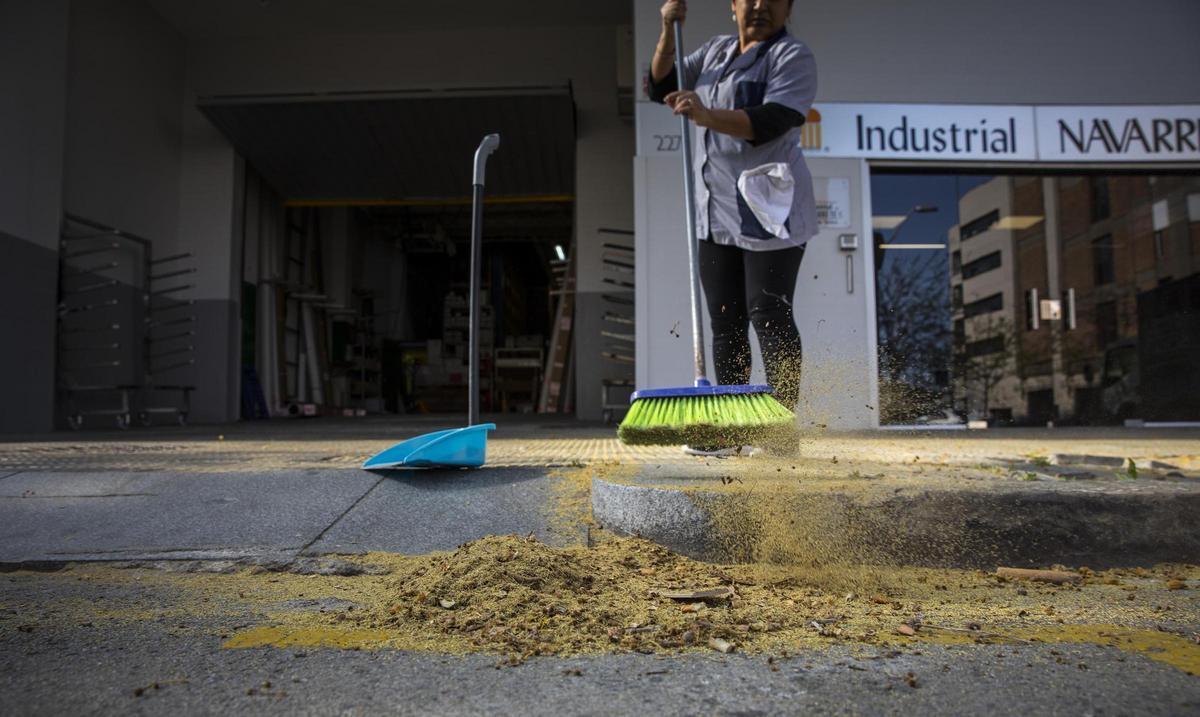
518, 597
521, 597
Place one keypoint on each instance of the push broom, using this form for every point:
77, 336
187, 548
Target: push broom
702, 415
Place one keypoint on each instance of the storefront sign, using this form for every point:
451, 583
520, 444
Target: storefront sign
943, 132
1119, 134
977, 133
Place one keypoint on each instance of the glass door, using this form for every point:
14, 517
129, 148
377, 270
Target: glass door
912, 215
1023, 300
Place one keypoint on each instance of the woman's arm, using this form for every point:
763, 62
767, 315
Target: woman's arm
771, 121
757, 125
791, 88
664, 51
735, 123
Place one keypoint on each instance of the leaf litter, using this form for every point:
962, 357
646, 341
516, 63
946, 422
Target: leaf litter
517, 597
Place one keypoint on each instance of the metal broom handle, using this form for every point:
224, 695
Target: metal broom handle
485, 149
689, 199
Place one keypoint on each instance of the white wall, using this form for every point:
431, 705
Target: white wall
90, 125
33, 96
33, 81
209, 229
135, 160
123, 129
1015, 52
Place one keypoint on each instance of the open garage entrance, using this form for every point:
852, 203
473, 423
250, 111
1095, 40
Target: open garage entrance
355, 221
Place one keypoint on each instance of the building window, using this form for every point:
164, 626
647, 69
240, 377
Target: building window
995, 302
960, 331
1160, 249
1102, 260
1106, 324
956, 262
982, 265
980, 225
957, 296
1100, 203
994, 345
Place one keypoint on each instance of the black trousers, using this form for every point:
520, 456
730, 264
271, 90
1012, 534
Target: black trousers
753, 287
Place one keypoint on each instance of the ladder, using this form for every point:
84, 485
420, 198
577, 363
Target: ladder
556, 374
302, 342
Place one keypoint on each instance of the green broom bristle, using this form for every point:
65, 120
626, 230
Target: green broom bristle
723, 420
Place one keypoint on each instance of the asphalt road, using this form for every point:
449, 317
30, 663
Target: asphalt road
55, 659
79, 672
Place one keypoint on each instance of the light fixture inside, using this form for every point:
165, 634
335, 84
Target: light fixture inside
562, 255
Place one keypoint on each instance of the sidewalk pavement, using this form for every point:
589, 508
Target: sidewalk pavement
271, 515
283, 489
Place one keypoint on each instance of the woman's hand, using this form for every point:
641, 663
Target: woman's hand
686, 102
735, 123
673, 10
664, 52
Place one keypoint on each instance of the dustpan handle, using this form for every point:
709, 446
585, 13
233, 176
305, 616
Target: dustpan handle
689, 199
485, 149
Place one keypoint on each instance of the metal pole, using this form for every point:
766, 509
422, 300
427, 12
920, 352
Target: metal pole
689, 198
486, 147
473, 340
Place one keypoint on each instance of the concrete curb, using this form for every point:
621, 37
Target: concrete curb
1007, 523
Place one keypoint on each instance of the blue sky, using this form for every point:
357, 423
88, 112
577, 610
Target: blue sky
895, 194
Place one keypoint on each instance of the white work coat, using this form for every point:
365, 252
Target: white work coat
774, 208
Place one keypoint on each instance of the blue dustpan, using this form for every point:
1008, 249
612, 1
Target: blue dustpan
455, 448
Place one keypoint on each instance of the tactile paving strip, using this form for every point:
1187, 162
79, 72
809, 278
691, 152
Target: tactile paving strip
240, 456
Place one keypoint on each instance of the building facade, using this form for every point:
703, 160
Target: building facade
1042, 186
1085, 321
112, 114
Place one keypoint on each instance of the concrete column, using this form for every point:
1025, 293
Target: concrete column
604, 200
210, 228
33, 85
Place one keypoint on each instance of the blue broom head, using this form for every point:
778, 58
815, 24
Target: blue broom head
702, 388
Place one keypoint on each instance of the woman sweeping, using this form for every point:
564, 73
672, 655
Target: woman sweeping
747, 94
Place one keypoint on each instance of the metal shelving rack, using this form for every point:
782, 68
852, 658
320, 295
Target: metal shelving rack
101, 290
617, 332
169, 339
111, 312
